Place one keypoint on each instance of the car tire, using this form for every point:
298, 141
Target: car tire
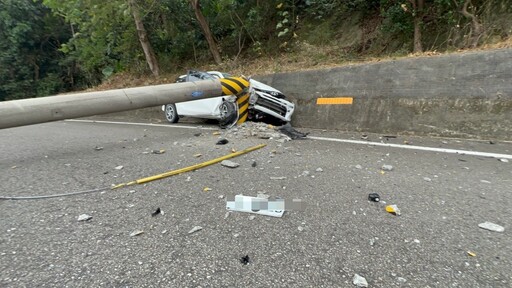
171, 114
228, 114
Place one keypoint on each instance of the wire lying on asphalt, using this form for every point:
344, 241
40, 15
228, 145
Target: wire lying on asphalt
143, 180
53, 195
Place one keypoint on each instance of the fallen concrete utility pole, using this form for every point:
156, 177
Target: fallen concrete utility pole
54, 108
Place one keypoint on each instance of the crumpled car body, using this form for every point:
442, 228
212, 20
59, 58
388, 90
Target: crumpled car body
264, 101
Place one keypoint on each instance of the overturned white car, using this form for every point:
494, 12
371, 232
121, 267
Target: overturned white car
265, 103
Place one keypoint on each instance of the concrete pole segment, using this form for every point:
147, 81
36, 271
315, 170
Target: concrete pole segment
53, 108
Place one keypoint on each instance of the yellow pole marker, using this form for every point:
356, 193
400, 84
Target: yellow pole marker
233, 85
237, 86
243, 108
190, 168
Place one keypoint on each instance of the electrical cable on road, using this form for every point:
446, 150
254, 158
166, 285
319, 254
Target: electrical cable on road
140, 181
53, 196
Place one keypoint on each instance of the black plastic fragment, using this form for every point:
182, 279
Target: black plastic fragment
222, 142
289, 131
158, 211
245, 260
374, 197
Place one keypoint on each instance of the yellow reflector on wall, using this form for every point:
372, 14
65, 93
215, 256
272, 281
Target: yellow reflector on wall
335, 101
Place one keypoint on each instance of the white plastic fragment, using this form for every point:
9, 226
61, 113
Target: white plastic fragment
359, 281
387, 167
504, 160
359, 166
195, 229
262, 195
119, 167
300, 228
485, 181
136, 233
253, 205
491, 227
277, 178
84, 217
319, 169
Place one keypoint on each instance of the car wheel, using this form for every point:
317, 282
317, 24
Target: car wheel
228, 115
171, 114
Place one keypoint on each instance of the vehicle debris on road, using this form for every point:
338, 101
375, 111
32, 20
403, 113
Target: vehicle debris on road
491, 227
256, 205
289, 131
393, 209
245, 260
157, 211
161, 151
136, 233
84, 217
222, 142
195, 229
359, 281
387, 168
374, 197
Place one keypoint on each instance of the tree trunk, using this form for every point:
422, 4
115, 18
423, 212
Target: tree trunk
206, 30
417, 6
476, 27
144, 41
418, 48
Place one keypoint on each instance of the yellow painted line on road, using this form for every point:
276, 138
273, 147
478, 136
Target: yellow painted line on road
335, 101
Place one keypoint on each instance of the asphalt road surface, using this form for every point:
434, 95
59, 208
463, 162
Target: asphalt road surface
442, 197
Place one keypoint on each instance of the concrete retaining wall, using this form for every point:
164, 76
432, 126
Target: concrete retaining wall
458, 95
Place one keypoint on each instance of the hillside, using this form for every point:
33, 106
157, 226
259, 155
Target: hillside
306, 59
50, 47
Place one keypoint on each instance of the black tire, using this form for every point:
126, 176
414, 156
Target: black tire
228, 114
171, 114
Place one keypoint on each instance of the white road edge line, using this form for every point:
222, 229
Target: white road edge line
413, 147
141, 124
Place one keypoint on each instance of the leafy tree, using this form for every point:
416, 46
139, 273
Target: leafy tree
29, 58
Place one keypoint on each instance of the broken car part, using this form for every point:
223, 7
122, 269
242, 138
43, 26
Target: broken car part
374, 197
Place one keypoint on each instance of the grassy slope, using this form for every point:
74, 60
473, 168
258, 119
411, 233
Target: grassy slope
306, 57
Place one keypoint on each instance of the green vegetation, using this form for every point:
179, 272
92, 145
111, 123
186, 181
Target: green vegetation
52, 46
